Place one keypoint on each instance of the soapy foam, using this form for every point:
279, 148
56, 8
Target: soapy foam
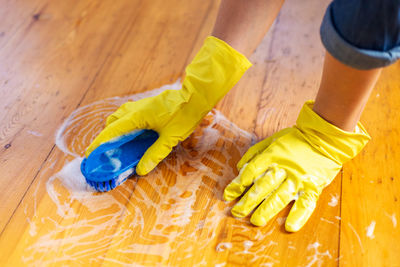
223, 246
214, 143
112, 156
157, 210
317, 257
281, 220
247, 245
370, 230
34, 133
328, 221
334, 200
357, 236
393, 218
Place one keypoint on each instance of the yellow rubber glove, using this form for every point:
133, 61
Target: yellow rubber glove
174, 114
295, 162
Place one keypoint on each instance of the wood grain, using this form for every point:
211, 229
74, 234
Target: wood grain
60, 56
371, 185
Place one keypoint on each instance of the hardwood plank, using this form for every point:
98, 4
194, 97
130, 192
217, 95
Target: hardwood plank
153, 21
371, 184
57, 87
48, 80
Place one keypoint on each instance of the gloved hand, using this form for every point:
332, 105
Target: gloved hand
174, 114
301, 160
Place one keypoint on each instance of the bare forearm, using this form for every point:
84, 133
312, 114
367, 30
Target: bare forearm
343, 93
243, 23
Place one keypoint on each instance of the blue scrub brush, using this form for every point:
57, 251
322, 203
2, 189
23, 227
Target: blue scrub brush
110, 164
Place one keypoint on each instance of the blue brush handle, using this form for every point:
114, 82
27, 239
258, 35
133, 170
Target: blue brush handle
111, 159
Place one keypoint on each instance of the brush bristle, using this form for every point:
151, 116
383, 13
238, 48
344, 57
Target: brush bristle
104, 186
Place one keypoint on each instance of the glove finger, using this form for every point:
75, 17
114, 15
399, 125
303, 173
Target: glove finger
130, 107
261, 188
253, 151
155, 154
120, 112
301, 211
117, 129
275, 203
247, 175
259, 147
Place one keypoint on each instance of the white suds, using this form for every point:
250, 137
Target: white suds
223, 246
271, 243
173, 195
247, 245
123, 176
72, 177
113, 157
281, 220
317, 257
71, 195
371, 229
32, 227
334, 200
37, 134
358, 237
325, 220
393, 218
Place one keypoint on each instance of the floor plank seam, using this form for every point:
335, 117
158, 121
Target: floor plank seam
340, 215
268, 56
26, 191
52, 148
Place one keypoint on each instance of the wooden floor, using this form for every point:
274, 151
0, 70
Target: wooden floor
60, 56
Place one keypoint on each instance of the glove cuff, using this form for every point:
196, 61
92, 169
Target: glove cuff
335, 143
215, 69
